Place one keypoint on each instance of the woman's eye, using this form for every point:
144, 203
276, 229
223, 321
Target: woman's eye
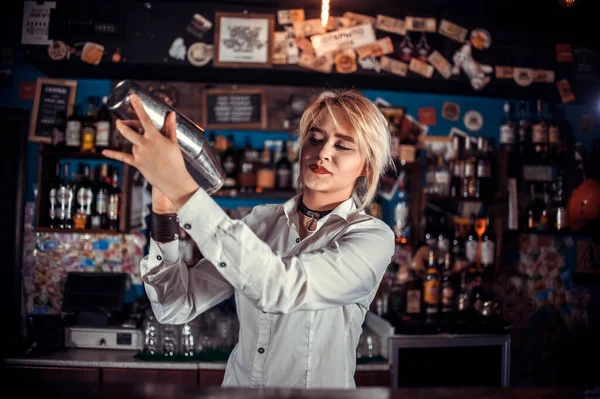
341, 147
315, 140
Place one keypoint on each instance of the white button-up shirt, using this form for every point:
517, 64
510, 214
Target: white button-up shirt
301, 303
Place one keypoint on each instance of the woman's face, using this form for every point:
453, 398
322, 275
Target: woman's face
331, 161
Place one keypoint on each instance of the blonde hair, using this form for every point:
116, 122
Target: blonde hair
372, 136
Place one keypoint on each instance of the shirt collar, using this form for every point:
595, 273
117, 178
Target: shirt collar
343, 210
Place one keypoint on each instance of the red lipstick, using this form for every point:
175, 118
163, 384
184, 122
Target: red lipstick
318, 169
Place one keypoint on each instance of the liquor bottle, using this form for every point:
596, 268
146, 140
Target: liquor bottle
59, 129
73, 129
443, 239
458, 167
483, 182
545, 210
422, 49
442, 177
463, 301
247, 172
539, 135
488, 251
524, 131
103, 127
88, 129
431, 287
458, 245
283, 170
229, 163
100, 217
472, 244
114, 202
405, 49
470, 177
533, 217
401, 213
53, 214
560, 213
508, 130
447, 285
554, 136
65, 198
430, 233
85, 199
265, 176
414, 296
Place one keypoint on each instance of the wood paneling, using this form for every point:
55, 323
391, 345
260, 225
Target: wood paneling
117, 375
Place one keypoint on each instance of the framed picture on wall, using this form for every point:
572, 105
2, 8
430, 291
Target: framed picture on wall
52, 104
243, 40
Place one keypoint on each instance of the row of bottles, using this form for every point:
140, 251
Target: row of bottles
89, 199
249, 170
88, 130
532, 134
546, 207
469, 174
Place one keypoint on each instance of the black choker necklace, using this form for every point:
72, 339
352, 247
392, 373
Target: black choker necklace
313, 215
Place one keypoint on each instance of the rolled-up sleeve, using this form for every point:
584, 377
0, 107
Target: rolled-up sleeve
346, 271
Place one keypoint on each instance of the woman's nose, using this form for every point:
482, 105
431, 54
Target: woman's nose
324, 152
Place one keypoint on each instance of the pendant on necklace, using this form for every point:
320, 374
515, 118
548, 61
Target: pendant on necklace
311, 222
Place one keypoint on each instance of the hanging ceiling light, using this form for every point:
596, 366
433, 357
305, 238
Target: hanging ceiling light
324, 12
567, 3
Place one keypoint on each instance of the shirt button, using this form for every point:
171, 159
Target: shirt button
261, 350
159, 257
187, 226
297, 240
222, 264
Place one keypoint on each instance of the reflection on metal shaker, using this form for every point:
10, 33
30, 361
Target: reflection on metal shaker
199, 157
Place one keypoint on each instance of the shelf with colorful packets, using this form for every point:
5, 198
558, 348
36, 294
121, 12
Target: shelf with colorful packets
53, 162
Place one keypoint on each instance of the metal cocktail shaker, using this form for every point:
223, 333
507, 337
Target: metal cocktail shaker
199, 158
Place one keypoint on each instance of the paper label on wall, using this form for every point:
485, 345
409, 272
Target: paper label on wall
391, 25
543, 76
452, 31
360, 19
451, 111
564, 53
564, 89
440, 64
285, 17
345, 62
421, 68
308, 28
305, 45
321, 64
504, 72
415, 24
427, 116
370, 63
354, 37
334, 23
393, 66
380, 47
279, 48
36, 22
523, 76
291, 51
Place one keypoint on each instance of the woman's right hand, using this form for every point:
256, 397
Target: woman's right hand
160, 203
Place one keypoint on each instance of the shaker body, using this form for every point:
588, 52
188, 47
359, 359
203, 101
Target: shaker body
199, 158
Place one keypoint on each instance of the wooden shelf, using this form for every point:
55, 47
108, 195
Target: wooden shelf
51, 151
444, 198
79, 231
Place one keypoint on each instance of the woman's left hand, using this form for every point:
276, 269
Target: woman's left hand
157, 156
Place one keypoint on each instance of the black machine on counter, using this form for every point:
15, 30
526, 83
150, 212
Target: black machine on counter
96, 314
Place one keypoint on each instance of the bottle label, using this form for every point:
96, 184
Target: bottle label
52, 210
101, 202
447, 295
540, 133
96, 222
283, 176
407, 153
469, 169
471, 251
554, 135
432, 292
488, 252
507, 134
484, 169
401, 214
88, 139
84, 198
443, 245
113, 206
102, 133
64, 195
413, 301
73, 133
229, 165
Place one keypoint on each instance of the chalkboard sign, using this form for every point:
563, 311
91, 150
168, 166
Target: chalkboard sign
52, 96
234, 109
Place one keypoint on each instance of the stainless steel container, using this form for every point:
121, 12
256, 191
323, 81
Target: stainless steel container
199, 158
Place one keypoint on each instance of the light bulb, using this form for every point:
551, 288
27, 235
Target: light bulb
567, 3
324, 12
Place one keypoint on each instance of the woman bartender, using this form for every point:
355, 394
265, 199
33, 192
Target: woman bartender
303, 273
